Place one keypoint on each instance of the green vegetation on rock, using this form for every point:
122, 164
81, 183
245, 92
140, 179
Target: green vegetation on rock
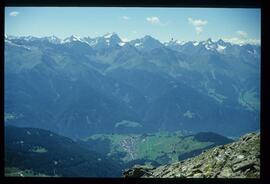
161, 147
12, 116
38, 149
16, 172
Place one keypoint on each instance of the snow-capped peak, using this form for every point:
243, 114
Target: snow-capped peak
27, 38
72, 38
107, 40
108, 35
147, 43
221, 48
181, 42
90, 41
9, 37
53, 39
208, 42
221, 42
122, 42
112, 39
175, 42
195, 43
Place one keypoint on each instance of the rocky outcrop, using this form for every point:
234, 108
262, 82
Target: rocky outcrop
240, 159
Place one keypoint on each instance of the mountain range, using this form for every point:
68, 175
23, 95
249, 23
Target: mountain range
82, 86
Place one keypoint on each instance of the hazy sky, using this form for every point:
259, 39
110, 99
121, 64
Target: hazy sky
162, 23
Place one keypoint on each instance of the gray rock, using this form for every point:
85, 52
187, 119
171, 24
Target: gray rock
240, 159
243, 165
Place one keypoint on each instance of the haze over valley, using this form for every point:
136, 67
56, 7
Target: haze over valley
99, 105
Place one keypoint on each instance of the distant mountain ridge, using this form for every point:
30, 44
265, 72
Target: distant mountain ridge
82, 86
113, 35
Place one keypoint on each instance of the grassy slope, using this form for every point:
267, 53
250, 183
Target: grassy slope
16, 172
151, 146
45, 152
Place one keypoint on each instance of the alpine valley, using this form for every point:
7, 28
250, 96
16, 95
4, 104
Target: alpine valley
82, 106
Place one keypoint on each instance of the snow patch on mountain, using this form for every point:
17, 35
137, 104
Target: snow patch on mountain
195, 43
121, 44
221, 48
72, 38
92, 43
16, 45
137, 44
108, 35
53, 39
181, 42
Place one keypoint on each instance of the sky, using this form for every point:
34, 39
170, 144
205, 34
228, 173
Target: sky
164, 24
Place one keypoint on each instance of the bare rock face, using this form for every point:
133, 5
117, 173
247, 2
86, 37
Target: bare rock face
240, 159
138, 171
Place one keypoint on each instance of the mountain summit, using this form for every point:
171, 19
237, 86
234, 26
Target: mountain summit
146, 43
